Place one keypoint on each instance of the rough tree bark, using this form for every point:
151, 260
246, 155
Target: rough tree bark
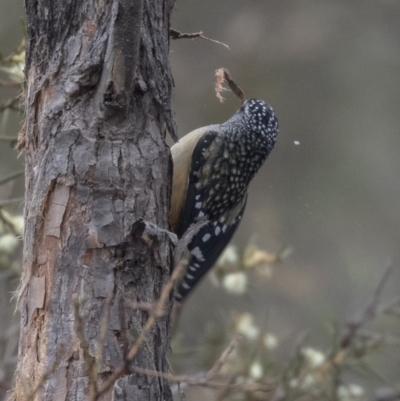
98, 106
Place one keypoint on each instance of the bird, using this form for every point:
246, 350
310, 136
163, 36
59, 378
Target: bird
212, 169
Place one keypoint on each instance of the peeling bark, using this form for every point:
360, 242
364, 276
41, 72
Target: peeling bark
98, 106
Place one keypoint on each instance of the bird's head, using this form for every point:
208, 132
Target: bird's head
257, 122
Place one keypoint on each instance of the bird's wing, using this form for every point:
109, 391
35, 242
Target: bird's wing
203, 177
194, 195
206, 246
182, 152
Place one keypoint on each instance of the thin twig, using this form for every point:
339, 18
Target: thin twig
11, 176
203, 381
368, 313
9, 201
8, 138
206, 380
174, 34
189, 380
8, 84
10, 105
143, 306
226, 392
222, 359
390, 307
187, 237
7, 219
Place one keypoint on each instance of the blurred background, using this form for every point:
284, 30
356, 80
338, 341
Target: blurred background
329, 190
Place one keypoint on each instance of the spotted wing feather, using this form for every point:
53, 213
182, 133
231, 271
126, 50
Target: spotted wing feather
205, 248
210, 241
191, 210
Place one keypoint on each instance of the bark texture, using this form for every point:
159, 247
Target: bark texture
98, 106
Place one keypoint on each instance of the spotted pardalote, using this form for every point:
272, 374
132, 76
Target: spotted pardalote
213, 167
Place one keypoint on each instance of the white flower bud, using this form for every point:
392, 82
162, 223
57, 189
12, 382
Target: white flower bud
256, 371
270, 341
229, 256
308, 382
246, 327
235, 283
305, 383
313, 357
18, 224
350, 392
8, 243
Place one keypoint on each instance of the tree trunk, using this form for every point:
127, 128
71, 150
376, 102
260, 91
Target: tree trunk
98, 106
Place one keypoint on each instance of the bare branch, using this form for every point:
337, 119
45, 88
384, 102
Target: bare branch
8, 220
203, 381
12, 176
206, 380
143, 306
11, 104
378, 338
8, 84
8, 138
175, 34
391, 308
9, 201
187, 237
368, 313
222, 359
